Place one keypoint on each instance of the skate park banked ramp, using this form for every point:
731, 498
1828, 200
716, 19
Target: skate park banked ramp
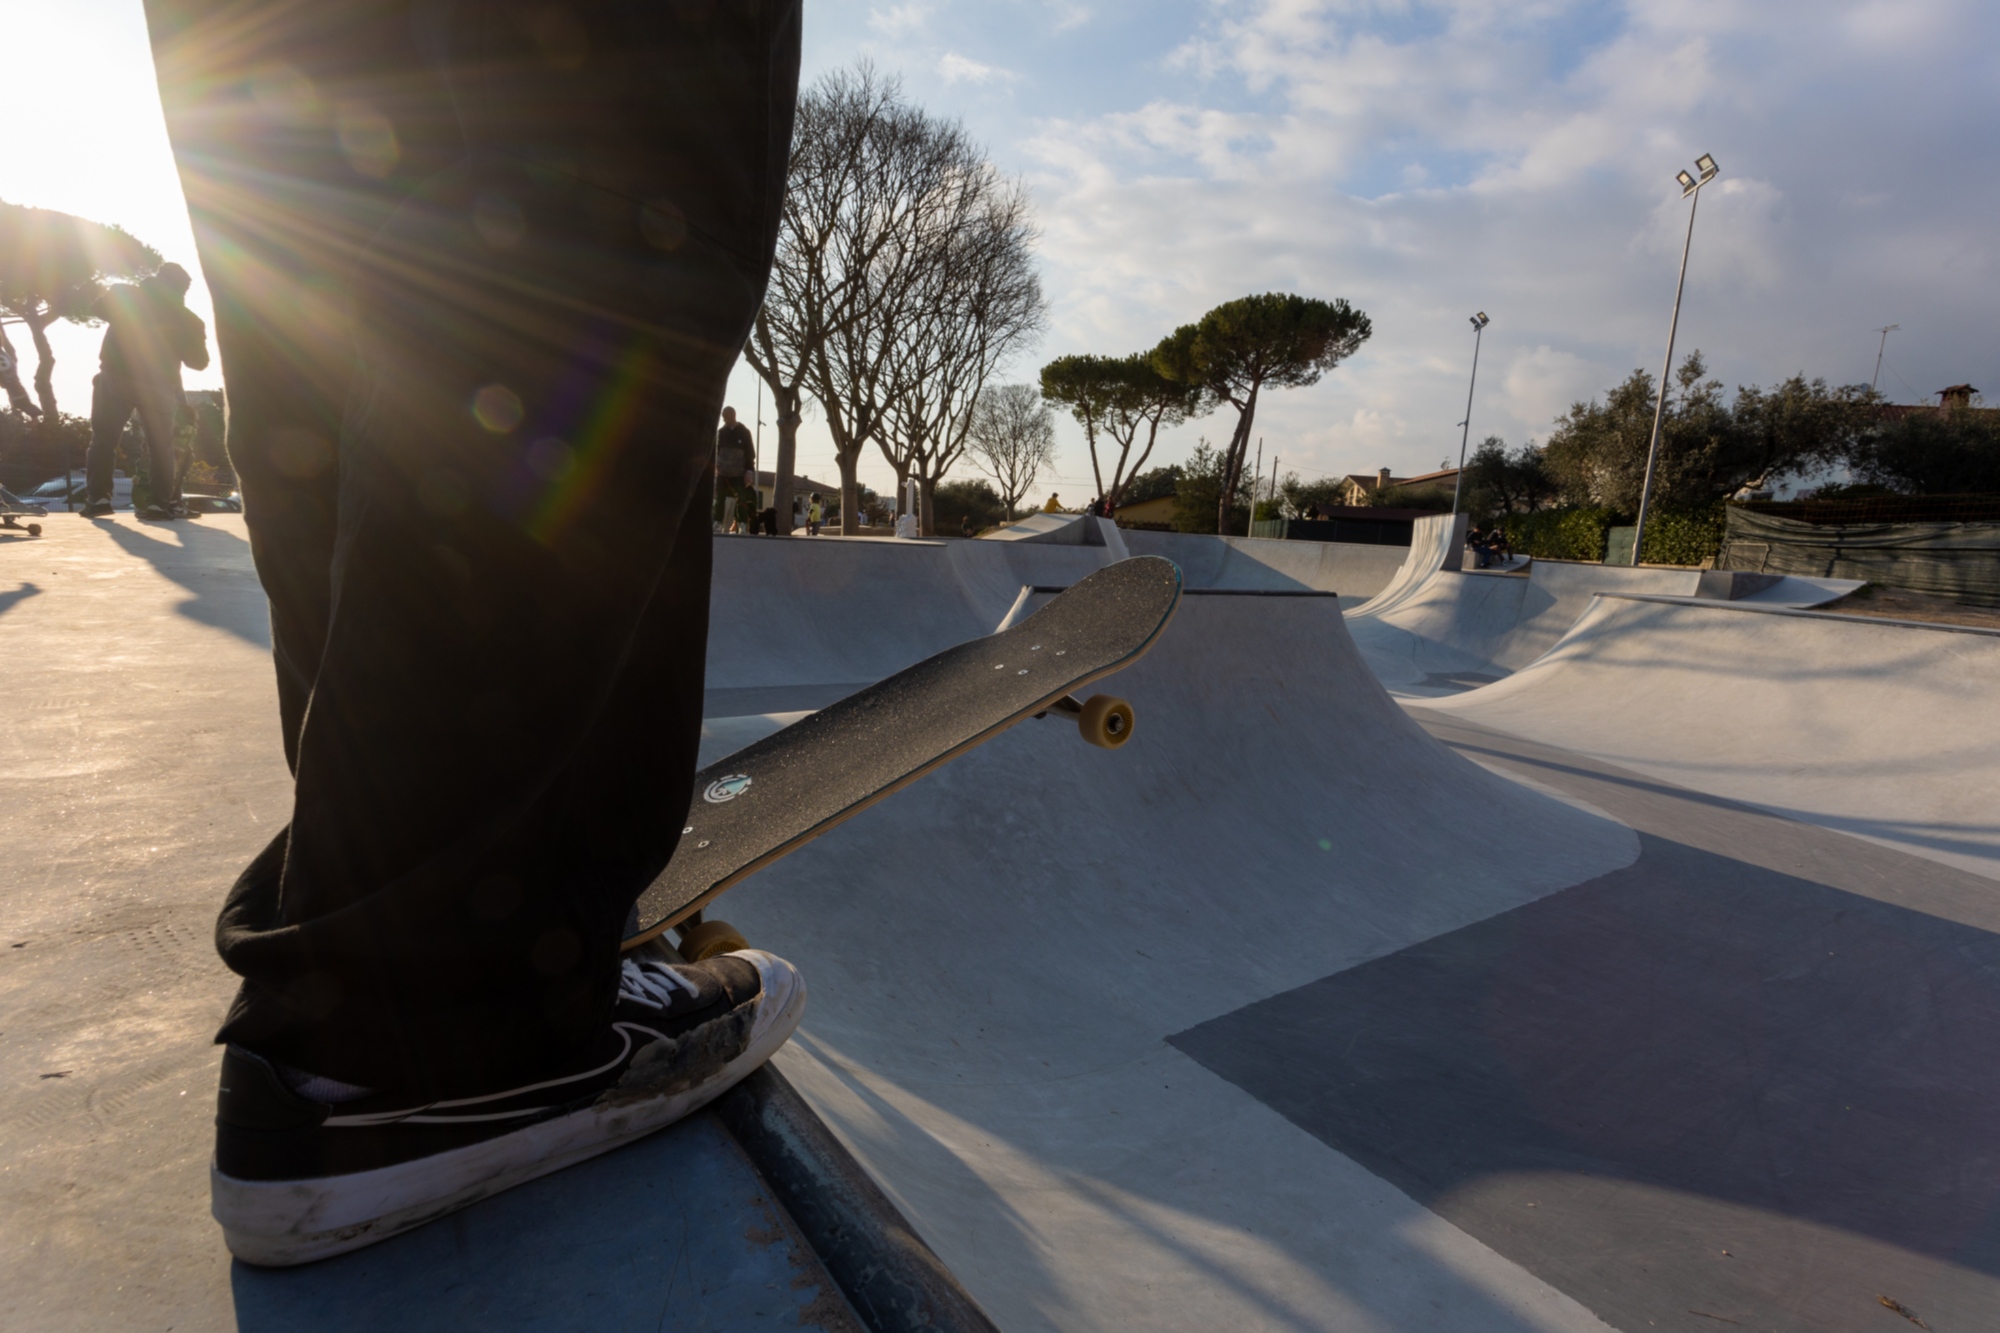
1439, 627
1002, 954
796, 624
1285, 1017
1885, 730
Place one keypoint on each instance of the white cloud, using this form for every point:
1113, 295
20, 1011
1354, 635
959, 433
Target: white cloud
962, 69
902, 20
1069, 16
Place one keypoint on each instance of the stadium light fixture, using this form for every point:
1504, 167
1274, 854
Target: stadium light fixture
1691, 191
1479, 323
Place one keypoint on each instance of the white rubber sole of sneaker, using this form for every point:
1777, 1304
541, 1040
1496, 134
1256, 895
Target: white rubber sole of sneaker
282, 1223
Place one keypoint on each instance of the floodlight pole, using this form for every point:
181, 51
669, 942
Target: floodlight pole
1882, 347
1479, 323
1692, 189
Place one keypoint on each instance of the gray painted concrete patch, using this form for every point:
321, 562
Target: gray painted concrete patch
1753, 1076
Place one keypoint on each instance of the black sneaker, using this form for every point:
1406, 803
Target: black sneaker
296, 1179
95, 508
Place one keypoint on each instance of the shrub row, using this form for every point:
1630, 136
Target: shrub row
1682, 537
1560, 534
1673, 537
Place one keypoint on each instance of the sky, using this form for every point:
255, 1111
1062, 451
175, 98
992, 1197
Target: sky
1422, 160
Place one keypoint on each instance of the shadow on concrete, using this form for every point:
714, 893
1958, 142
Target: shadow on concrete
1694, 1027
210, 562
674, 1232
10, 600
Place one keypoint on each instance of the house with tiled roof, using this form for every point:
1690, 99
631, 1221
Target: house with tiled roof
1358, 488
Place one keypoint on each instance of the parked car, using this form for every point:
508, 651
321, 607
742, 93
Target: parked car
52, 493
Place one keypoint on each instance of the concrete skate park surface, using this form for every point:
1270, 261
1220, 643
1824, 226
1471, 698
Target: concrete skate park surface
1292, 1014
1731, 1072
140, 768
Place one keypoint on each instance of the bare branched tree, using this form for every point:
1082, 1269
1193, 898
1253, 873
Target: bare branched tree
1012, 439
975, 300
898, 283
833, 235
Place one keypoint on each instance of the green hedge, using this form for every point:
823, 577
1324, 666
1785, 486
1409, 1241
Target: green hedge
1673, 537
1560, 534
1685, 537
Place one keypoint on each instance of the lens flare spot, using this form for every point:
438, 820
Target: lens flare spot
498, 408
1326, 844
665, 226
368, 139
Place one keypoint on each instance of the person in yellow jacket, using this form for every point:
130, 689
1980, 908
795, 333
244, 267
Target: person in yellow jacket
1054, 506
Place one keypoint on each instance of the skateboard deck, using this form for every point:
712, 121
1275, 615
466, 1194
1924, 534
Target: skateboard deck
763, 802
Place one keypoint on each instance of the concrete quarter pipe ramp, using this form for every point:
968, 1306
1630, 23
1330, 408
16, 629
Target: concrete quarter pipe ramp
1281, 1018
1437, 629
1885, 730
1001, 954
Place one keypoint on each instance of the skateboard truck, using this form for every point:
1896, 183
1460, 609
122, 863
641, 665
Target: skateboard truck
1104, 720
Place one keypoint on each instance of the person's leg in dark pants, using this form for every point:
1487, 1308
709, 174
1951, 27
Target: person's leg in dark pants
155, 404
543, 236
111, 404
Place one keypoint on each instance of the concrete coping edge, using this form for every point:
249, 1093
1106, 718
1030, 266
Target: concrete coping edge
1801, 612
893, 1280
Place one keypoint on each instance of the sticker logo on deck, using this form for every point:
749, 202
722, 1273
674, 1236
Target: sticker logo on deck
724, 790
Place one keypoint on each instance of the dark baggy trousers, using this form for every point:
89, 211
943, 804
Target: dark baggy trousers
113, 400
480, 270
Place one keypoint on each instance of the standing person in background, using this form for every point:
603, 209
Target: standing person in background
152, 335
1054, 505
735, 468
814, 513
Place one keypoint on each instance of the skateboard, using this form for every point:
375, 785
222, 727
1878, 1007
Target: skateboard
12, 507
771, 798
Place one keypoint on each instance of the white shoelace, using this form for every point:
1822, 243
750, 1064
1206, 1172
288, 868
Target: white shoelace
653, 984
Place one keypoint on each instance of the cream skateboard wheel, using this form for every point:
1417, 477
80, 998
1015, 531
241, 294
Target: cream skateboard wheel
1105, 721
710, 939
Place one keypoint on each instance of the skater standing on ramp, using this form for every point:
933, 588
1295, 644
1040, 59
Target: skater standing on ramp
479, 278
736, 466
152, 334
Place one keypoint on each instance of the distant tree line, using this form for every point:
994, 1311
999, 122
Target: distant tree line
1713, 447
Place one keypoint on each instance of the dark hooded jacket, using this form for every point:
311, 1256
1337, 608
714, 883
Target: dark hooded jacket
152, 334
